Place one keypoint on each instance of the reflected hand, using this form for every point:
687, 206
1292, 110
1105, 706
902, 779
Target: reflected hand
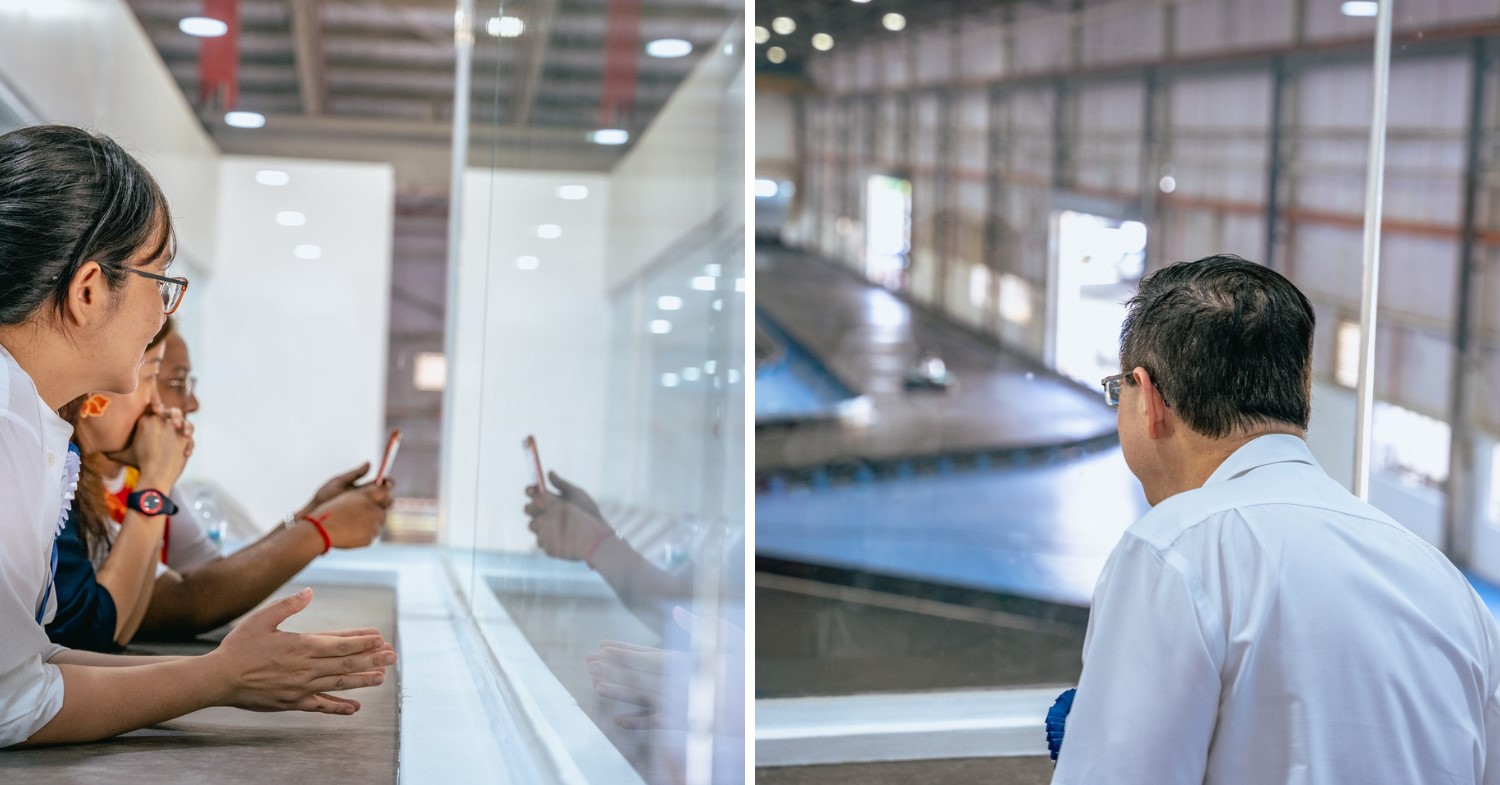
566, 528
637, 675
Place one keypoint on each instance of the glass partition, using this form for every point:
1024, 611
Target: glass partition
598, 340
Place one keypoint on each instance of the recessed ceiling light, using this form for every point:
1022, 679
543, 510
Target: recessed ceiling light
669, 303
762, 35
245, 119
661, 326
822, 42
505, 26
776, 55
691, 374
272, 177
308, 252
573, 193
784, 25
549, 231
766, 189
610, 136
669, 380
1360, 8
703, 283
668, 48
528, 262
715, 269
893, 22
203, 27
291, 218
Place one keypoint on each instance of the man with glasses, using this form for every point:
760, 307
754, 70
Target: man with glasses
1260, 624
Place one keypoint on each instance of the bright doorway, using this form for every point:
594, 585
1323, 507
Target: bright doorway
1097, 267
888, 231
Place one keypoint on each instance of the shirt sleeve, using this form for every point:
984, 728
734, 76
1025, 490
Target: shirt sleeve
31, 691
1148, 697
86, 614
188, 547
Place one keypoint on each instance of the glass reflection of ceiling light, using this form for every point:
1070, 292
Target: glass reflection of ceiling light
1360, 8
202, 27
1168, 184
528, 262
573, 193
893, 22
776, 55
711, 366
291, 218
784, 25
669, 380
549, 231
669, 303
505, 26
715, 270
822, 42
308, 252
861, 1
766, 189
762, 35
703, 283
610, 136
718, 305
244, 119
430, 372
668, 48
661, 326
691, 374
734, 376
272, 177
739, 284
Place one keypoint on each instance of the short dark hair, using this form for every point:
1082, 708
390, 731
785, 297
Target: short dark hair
1227, 342
67, 197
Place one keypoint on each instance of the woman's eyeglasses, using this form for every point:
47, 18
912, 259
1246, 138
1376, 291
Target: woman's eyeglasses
172, 289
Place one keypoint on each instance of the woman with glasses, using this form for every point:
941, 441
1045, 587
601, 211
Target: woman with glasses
85, 242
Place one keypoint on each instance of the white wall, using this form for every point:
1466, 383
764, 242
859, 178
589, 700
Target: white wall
530, 354
292, 352
89, 63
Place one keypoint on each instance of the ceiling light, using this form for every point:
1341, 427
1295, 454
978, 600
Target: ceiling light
784, 25
669, 380
894, 22
430, 372
691, 374
291, 218
710, 366
308, 252
861, 1
1167, 184
661, 326
822, 42
549, 231
734, 376
203, 27
766, 189
762, 35
505, 26
610, 136
528, 262
668, 48
739, 284
245, 119
1360, 8
715, 269
703, 283
272, 177
669, 303
776, 55
573, 193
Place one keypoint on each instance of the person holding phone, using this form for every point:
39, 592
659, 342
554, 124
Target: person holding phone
85, 243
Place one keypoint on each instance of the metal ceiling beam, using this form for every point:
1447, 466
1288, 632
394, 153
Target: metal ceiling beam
540, 25
307, 38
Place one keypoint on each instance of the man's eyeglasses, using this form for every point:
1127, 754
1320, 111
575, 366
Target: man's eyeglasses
172, 289
183, 386
1112, 389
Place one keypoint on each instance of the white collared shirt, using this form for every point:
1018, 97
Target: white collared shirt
33, 464
1269, 627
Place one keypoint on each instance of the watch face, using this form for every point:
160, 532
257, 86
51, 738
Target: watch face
151, 502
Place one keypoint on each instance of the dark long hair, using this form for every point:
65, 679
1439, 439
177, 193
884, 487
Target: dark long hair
67, 197
91, 511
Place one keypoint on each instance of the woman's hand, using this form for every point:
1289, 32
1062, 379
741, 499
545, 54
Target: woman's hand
265, 669
163, 441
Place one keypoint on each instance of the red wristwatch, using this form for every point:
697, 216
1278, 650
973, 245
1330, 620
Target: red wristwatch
149, 501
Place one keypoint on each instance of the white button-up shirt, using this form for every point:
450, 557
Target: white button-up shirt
33, 466
1269, 627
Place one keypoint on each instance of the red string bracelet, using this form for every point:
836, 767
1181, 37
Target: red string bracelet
322, 532
594, 547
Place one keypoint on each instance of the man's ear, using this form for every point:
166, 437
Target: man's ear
88, 296
1150, 404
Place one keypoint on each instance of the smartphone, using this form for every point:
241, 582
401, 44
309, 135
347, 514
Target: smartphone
390, 455
529, 445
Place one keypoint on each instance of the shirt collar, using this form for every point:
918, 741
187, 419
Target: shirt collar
1263, 451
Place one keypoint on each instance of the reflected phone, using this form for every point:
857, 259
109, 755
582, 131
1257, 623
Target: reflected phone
529, 445
390, 455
